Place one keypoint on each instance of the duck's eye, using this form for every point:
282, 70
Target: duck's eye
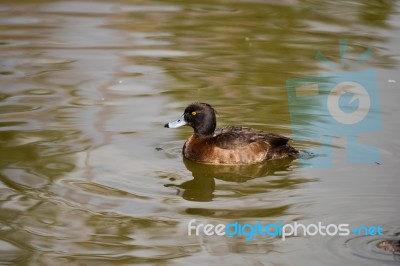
194, 113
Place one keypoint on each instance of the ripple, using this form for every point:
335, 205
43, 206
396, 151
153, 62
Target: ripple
62, 166
9, 124
149, 8
132, 89
44, 61
141, 69
17, 108
40, 91
158, 53
221, 10
370, 250
6, 73
96, 188
22, 177
21, 20
236, 213
11, 74
85, 101
75, 7
172, 149
9, 252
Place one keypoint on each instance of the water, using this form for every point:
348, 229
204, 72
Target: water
89, 176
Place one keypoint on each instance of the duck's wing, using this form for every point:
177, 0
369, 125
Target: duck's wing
232, 137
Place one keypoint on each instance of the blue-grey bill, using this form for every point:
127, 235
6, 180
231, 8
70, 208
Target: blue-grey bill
177, 123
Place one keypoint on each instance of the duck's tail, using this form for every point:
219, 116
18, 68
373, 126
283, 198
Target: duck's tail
298, 154
292, 152
302, 154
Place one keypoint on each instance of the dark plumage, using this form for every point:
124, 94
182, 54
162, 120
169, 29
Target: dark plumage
231, 144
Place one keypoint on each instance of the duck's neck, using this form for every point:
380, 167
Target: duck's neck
204, 133
205, 130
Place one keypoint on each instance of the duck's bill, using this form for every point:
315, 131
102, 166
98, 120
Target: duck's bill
177, 123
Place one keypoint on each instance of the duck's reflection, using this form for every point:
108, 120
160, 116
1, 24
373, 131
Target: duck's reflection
202, 186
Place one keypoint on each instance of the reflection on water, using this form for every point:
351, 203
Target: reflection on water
86, 85
202, 186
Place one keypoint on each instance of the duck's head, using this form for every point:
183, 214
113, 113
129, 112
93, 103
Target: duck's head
200, 116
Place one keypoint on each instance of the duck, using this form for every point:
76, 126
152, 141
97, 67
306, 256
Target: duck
229, 144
